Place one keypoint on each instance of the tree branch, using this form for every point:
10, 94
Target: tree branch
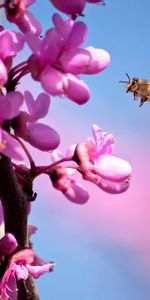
15, 209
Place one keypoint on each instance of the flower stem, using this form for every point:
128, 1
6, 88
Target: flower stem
30, 158
25, 70
17, 67
43, 169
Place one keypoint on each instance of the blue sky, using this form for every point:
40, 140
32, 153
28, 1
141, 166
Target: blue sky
101, 249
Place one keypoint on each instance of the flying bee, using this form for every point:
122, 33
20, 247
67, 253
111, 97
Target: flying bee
139, 88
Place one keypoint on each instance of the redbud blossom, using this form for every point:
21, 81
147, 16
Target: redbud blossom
12, 43
3, 74
10, 105
42, 137
17, 13
58, 59
86, 61
62, 180
20, 265
39, 135
97, 165
99, 60
10, 147
8, 244
56, 83
71, 7
76, 193
10, 108
38, 108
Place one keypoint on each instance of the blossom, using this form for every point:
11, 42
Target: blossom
9, 146
17, 13
12, 43
98, 165
39, 135
21, 264
59, 59
93, 159
72, 7
10, 107
8, 244
61, 177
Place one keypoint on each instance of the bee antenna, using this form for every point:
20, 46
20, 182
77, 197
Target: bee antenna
128, 76
122, 81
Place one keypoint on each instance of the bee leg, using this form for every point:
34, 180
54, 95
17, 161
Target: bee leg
142, 101
135, 96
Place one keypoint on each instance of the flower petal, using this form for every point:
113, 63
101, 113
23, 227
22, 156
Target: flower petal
42, 137
53, 81
39, 108
100, 59
76, 193
113, 168
82, 94
11, 147
3, 74
51, 47
113, 187
42, 104
12, 43
77, 36
75, 60
7, 284
62, 27
21, 272
71, 7
25, 256
8, 243
10, 105
37, 271
30, 24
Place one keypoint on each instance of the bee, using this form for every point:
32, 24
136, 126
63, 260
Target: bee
139, 88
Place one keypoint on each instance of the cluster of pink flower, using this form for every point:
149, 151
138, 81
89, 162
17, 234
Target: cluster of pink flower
20, 264
94, 161
57, 59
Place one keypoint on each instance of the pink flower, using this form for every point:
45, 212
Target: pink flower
10, 108
61, 177
8, 244
10, 105
16, 13
73, 7
9, 146
21, 264
85, 61
38, 135
59, 59
12, 43
110, 173
57, 83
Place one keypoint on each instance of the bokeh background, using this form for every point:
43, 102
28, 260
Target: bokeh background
101, 249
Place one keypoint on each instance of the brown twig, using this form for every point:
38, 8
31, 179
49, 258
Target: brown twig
15, 210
